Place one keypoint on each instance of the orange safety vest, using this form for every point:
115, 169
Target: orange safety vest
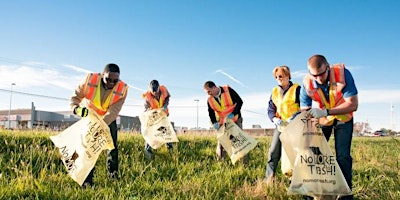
93, 86
336, 84
223, 108
154, 103
286, 106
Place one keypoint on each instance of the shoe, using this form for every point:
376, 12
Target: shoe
245, 160
87, 185
113, 176
149, 155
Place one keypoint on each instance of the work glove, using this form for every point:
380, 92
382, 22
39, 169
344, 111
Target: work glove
231, 116
318, 113
81, 111
216, 125
277, 121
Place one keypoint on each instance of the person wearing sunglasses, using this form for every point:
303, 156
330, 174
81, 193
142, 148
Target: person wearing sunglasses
155, 98
283, 104
223, 102
333, 90
104, 93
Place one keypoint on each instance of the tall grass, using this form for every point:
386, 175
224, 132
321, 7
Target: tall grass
30, 168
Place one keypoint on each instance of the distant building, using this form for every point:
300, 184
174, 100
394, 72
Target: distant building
58, 120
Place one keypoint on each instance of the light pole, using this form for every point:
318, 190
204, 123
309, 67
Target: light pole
9, 110
197, 124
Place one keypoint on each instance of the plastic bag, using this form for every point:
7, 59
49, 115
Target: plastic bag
156, 128
316, 172
80, 145
235, 141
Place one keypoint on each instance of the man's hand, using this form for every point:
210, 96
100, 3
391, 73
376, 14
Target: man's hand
277, 121
81, 111
216, 125
318, 113
231, 116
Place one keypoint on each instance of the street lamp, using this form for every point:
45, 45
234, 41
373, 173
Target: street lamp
9, 110
197, 127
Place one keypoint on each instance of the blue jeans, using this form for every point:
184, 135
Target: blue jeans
343, 134
274, 154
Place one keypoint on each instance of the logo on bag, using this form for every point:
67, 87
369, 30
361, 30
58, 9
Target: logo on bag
69, 160
154, 118
95, 139
163, 132
319, 163
312, 126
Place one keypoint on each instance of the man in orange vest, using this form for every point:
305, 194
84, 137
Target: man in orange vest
333, 89
223, 101
155, 98
104, 93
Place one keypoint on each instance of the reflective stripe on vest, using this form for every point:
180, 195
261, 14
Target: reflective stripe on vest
336, 84
223, 108
286, 106
93, 88
154, 103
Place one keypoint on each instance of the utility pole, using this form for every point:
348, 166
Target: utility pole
197, 124
9, 110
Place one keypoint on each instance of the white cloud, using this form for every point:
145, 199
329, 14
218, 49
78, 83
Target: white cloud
230, 77
378, 96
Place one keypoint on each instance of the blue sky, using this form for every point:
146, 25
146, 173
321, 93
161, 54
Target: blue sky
48, 46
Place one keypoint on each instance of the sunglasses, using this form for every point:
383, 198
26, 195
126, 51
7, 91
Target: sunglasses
318, 75
109, 80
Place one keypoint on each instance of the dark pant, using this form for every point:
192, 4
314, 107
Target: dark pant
148, 148
112, 156
274, 154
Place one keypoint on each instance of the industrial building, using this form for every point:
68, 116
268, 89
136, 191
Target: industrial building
52, 120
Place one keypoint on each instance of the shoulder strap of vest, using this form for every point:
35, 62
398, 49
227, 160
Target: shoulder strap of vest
91, 84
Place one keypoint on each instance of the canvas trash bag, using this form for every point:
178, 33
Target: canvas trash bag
235, 141
156, 128
316, 172
286, 165
80, 145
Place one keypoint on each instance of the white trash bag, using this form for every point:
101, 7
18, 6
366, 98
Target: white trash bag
235, 141
81, 144
316, 172
156, 128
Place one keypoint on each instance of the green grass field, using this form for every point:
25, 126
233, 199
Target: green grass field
30, 168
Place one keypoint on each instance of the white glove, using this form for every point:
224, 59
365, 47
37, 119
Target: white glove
277, 121
318, 113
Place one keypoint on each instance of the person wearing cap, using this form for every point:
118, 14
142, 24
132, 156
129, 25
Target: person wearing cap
223, 101
104, 93
283, 104
333, 90
155, 98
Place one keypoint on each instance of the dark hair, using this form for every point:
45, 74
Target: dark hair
209, 84
111, 67
154, 85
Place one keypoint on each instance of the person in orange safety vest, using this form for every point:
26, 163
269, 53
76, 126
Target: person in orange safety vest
223, 102
157, 97
105, 94
333, 89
